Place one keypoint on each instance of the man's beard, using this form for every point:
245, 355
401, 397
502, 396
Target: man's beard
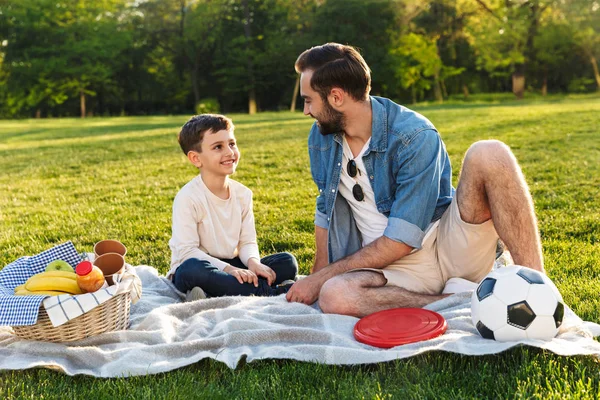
332, 121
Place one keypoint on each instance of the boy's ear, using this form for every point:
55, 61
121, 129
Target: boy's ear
194, 158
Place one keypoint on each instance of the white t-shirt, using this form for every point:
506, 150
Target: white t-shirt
370, 222
209, 228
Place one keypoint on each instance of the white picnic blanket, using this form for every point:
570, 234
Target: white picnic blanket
166, 334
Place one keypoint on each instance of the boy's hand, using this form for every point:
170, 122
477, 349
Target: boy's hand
242, 275
261, 270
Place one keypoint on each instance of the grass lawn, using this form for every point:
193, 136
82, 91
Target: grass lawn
87, 180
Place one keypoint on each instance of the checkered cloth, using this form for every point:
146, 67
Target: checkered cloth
65, 307
23, 310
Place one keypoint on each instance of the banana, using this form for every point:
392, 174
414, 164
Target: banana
58, 274
25, 292
42, 282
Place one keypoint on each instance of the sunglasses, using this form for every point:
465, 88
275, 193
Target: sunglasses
357, 191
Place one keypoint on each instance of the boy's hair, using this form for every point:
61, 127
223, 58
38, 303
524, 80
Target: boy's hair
191, 134
336, 65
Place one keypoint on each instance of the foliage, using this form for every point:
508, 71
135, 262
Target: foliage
416, 62
164, 56
208, 106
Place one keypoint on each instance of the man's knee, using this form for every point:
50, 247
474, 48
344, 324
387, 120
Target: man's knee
338, 296
488, 153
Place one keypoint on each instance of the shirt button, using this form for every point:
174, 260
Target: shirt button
327, 219
339, 164
371, 177
320, 190
332, 191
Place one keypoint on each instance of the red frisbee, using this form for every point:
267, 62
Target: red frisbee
390, 328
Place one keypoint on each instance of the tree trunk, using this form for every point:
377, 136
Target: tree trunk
437, 90
295, 94
596, 73
195, 83
444, 90
38, 113
545, 84
465, 90
248, 35
518, 81
252, 101
82, 102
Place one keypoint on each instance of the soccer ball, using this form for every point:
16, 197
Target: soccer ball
514, 303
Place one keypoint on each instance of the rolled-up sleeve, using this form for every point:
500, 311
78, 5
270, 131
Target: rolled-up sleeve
321, 217
318, 169
419, 168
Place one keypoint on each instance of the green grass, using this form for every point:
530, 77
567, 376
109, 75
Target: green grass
84, 181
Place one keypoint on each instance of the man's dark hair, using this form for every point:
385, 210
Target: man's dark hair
336, 65
191, 134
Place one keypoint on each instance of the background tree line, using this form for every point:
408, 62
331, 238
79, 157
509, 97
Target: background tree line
124, 57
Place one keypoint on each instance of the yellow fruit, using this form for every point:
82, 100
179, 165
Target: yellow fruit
44, 282
58, 274
25, 292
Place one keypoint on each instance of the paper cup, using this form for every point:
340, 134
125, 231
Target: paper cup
110, 264
109, 246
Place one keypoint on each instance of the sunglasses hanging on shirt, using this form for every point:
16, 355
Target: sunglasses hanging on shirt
357, 190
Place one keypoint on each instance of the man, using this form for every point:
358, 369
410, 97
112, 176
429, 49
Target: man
390, 229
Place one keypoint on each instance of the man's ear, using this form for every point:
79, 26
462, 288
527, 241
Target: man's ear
194, 158
336, 97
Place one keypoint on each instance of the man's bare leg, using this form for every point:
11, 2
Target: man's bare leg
362, 293
491, 185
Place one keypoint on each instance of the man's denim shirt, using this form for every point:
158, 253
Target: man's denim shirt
409, 170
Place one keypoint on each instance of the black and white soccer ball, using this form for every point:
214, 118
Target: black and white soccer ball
514, 303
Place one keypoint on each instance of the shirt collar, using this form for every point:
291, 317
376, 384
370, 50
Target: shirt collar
378, 127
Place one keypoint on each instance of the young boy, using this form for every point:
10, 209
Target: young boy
214, 248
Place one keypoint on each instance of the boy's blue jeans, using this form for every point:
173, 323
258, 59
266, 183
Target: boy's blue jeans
202, 273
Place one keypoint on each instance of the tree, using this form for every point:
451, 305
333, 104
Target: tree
505, 40
584, 19
553, 46
56, 51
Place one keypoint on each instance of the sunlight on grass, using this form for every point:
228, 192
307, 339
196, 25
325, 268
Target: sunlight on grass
87, 180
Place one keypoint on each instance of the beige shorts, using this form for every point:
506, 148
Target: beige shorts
452, 248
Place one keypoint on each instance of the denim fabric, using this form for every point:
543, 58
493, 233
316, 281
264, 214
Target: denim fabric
194, 272
409, 171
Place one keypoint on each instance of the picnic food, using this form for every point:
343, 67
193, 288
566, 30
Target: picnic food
59, 265
21, 291
50, 282
89, 277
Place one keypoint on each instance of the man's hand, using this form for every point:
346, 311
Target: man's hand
242, 275
259, 269
305, 290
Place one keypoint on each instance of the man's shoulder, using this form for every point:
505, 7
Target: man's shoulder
402, 121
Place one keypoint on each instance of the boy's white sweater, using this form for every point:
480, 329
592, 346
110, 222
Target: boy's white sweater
207, 227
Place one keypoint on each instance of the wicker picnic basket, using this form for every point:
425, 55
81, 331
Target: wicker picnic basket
111, 315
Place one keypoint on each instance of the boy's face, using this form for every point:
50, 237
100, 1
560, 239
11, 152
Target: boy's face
220, 154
